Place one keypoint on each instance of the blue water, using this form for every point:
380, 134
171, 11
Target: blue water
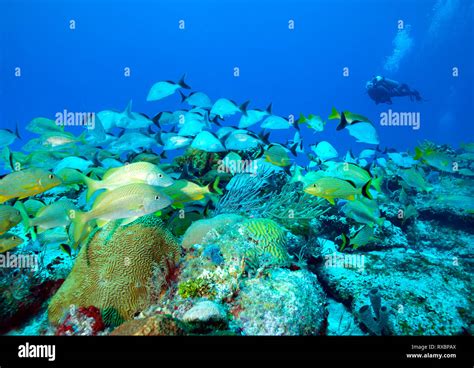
298, 70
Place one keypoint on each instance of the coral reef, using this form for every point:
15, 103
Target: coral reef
22, 297
157, 325
284, 303
268, 298
198, 162
423, 292
81, 321
270, 243
115, 271
246, 193
341, 321
257, 195
206, 316
199, 229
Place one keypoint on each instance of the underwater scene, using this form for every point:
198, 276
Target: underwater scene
178, 168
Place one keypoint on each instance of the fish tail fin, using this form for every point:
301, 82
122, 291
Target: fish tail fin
345, 241
330, 200
79, 222
82, 137
25, 219
366, 190
183, 96
128, 110
156, 120
292, 149
418, 153
243, 107
182, 83
92, 187
17, 132
216, 121
343, 122
377, 184
214, 186
334, 114
302, 119
296, 124
269, 109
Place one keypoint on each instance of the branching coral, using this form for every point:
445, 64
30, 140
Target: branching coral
254, 196
293, 205
246, 193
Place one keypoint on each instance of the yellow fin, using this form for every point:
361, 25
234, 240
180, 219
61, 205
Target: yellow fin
101, 222
330, 200
128, 220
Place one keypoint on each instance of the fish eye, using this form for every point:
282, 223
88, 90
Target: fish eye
160, 175
50, 176
157, 198
13, 237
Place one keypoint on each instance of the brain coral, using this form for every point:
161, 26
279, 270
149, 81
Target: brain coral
197, 232
116, 270
270, 242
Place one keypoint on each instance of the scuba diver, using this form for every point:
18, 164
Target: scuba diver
381, 90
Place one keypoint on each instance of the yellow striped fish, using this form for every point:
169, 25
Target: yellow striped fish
9, 241
27, 183
9, 217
